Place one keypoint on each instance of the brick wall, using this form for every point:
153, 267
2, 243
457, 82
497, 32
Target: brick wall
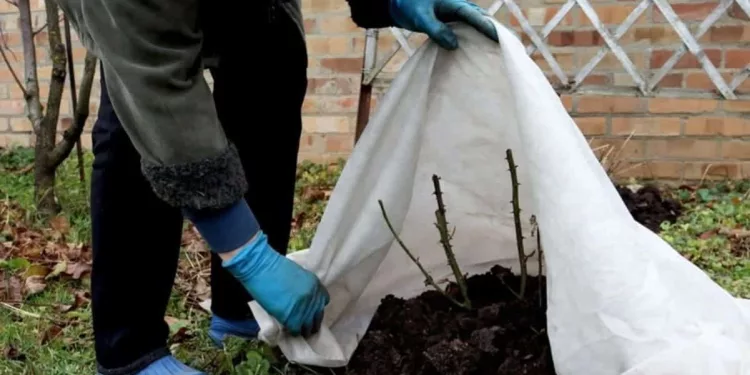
685, 131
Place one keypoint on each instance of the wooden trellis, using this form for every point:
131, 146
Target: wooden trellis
645, 86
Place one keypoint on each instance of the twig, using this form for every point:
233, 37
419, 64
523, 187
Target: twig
33, 102
73, 98
517, 220
10, 67
540, 258
445, 237
19, 311
428, 278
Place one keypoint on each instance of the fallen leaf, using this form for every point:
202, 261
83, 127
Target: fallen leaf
736, 232
50, 333
60, 224
59, 268
202, 289
13, 354
36, 270
78, 269
14, 290
81, 299
708, 234
178, 328
34, 285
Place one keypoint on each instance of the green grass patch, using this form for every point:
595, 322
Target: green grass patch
50, 332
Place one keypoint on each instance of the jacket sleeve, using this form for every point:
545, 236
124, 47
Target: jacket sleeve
371, 14
151, 56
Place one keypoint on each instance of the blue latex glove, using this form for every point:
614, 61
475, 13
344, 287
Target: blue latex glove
430, 16
291, 294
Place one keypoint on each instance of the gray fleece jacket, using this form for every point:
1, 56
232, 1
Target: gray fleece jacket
151, 52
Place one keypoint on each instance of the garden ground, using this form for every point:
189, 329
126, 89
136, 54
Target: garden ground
44, 269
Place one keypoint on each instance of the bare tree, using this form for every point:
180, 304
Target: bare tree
48, 153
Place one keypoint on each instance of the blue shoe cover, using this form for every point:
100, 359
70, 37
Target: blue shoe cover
169, 365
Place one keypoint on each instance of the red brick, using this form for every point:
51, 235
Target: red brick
646, 126
712, 171
310, 25
12, 140
652, 169
609, 104
329, 104
20, 124
12, 107
4, 124
566, 60
351, 65
737, 12
682, 148
339, 143
622, 148
323, 6
687, 61
333, 86
542, 16
735, 149
729, 33
613, 14
674, 105
336, 24
657, 34
326, 124
687, 12
737, 58
312, 143
329, 45
575, 38
567, 101
597, 79
714, 126
737, 106
592, 125
673, 80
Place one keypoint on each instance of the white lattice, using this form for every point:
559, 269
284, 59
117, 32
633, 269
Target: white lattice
643, 85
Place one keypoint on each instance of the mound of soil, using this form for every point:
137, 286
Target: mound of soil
501, 334
649, 207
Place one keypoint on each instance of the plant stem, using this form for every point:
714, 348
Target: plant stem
445, 237
428, 278
517, 220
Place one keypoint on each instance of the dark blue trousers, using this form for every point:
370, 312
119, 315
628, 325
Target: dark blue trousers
136, 237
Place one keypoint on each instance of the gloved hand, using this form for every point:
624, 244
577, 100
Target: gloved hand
291, 294
428, 16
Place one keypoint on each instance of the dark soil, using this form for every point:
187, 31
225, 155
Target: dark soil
501, 334
649, 207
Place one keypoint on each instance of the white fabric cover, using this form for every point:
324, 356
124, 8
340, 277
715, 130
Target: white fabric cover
621, 300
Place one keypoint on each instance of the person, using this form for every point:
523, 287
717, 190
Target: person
166, 148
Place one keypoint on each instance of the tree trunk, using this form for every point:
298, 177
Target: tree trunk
44, 182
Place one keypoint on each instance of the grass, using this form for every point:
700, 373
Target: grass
49, 332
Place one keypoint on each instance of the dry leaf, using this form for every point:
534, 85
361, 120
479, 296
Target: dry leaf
60, 224
59, 268
37, 270
13, 354
202, 290
34, 285
14, 290
50, 334
76, 270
